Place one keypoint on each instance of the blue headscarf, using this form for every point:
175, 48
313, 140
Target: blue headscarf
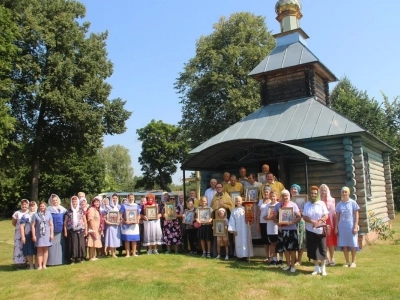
297, 187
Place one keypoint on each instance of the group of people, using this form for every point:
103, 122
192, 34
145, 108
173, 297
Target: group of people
56, 235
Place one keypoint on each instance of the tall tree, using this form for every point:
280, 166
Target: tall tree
215, 89
118, 168
359, 107
60, 99
8, 58
163, 146
382, 121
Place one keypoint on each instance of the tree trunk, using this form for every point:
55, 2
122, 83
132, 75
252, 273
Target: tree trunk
35, 178
163, 185
36, 154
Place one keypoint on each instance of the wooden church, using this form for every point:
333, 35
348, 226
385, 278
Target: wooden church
297, 133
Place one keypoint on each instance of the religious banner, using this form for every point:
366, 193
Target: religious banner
249, 212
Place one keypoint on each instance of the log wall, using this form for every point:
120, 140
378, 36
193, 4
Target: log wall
332, 175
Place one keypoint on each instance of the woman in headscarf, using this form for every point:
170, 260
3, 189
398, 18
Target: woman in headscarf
130, 233
112, 235
18, 255
331, 239
84, 206
94, 228
295, 190
287, 233
346, 228
42, 234
172, 233
57, 250
75, 230
152, 229
26, 234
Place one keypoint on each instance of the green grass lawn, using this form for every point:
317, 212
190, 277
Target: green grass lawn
185, 277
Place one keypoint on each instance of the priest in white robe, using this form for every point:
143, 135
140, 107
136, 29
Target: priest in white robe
241, 231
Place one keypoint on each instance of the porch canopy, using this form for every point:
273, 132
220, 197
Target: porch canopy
247, 151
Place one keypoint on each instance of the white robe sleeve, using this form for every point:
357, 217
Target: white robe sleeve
232, 222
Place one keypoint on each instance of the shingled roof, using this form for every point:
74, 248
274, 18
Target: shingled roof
286, 121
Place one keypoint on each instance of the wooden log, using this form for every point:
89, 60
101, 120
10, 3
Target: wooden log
359, 179
359, 171
374, 206
347, 141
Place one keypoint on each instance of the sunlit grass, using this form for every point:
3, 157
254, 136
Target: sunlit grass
185, 277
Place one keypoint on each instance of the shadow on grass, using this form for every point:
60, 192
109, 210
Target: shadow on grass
257, 265
9, 268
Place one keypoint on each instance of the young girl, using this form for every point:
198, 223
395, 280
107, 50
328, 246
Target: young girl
221, 215
262, 222
237, 226
28, 248
271, 228
191, 231
204, 233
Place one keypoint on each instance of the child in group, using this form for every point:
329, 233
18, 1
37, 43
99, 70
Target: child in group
237, 226
272, 229
204, 233
221, 215
191, 231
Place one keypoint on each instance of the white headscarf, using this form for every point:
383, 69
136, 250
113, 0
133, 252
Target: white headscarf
75, 212
55, 209
116, 206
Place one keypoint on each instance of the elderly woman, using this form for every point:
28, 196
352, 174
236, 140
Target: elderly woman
57, 249
18, 256
28, 248
94, 228
331, 239
152, 229
295, 190
346, 226
287, 232
42, 234
315, 214
172, 233
75, 230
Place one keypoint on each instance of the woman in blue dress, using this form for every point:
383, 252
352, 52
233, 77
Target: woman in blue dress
347, 226
130, 233
57, 255
28, 248
112, 235
42, 234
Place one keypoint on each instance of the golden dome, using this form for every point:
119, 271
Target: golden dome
288, 6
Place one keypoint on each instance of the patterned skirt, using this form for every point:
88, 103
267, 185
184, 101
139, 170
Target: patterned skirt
287, 241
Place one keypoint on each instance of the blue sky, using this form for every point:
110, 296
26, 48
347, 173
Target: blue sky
150, 41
